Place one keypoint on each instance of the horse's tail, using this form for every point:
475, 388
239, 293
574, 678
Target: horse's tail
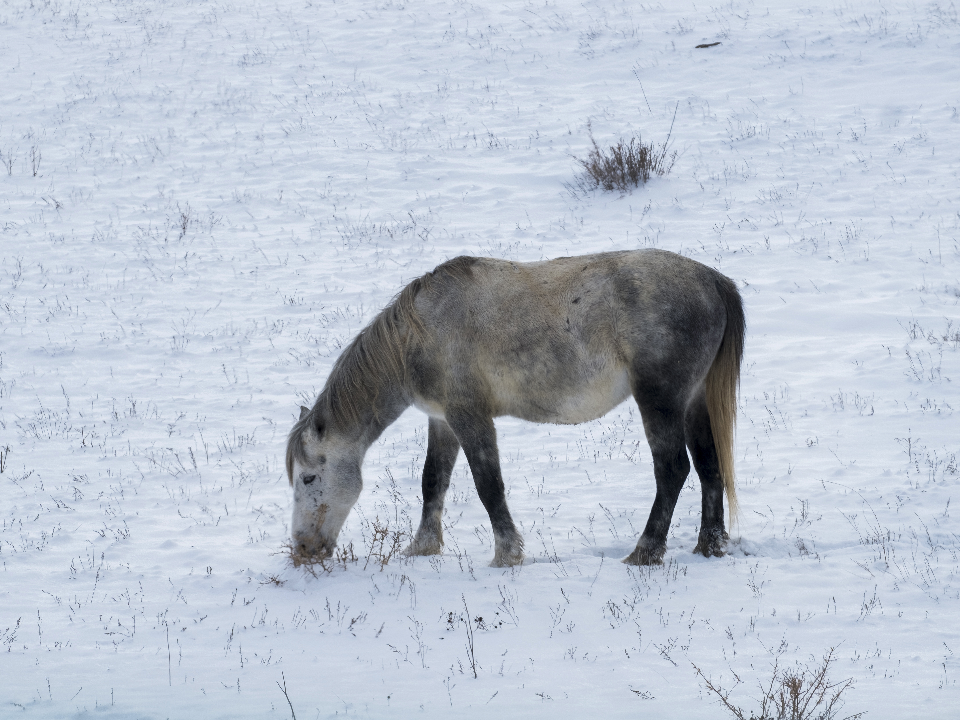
723, 380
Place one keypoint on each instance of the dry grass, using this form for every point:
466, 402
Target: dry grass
273, 579
624, 166
384, 543
801, 694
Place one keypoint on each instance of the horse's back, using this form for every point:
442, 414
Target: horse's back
563, 340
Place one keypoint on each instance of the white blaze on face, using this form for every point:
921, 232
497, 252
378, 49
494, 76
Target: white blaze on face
325, 487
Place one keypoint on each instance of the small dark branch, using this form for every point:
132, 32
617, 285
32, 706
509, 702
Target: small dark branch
169, 661
471, 656
284, 689
344, 555
721, 693
183, 222
666, 144
706, 45
8, 160
637, 76
35, 156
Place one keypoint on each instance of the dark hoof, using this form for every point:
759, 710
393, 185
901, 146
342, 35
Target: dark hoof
643, 555
712, 544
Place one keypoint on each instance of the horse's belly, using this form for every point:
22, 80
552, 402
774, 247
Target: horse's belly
596, 400
587, 401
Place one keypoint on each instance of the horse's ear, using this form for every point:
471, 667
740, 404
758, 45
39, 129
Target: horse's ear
303, 412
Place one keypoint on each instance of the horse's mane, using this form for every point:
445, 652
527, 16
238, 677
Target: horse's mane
377, 352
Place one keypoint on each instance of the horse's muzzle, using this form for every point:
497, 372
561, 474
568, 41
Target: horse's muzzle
311, 548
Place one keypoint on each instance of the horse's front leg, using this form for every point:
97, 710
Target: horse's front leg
442, 449
478, 437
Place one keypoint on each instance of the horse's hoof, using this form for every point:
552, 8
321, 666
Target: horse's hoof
709, 550
508, 551
646, 556
506, 560
418, 548
712, 544
508, 556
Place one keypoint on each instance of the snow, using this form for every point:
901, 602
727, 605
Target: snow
201, 203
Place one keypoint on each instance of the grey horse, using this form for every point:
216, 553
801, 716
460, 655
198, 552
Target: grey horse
559, 341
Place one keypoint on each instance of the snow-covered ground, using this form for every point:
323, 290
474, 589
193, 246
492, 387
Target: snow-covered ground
202, 202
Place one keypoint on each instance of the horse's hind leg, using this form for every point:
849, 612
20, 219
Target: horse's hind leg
713, 537
478, 436
663, 425
442, 449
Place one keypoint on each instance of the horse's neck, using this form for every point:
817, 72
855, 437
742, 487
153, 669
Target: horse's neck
377, 397
388, 404
386, 412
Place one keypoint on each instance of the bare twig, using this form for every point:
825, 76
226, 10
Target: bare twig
169, 670
284, 689
637, 76
471, 656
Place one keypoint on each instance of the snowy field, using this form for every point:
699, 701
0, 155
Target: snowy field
201, 203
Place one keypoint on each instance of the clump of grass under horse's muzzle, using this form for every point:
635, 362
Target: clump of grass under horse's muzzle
315, 563
382, 544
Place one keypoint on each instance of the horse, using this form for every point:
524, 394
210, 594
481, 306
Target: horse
560, 341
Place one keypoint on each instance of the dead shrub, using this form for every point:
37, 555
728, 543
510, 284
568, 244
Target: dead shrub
797, 694
624, 166
384, 543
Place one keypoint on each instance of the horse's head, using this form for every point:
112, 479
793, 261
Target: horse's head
324, 471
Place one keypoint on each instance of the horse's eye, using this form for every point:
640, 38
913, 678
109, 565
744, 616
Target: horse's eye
307, 479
